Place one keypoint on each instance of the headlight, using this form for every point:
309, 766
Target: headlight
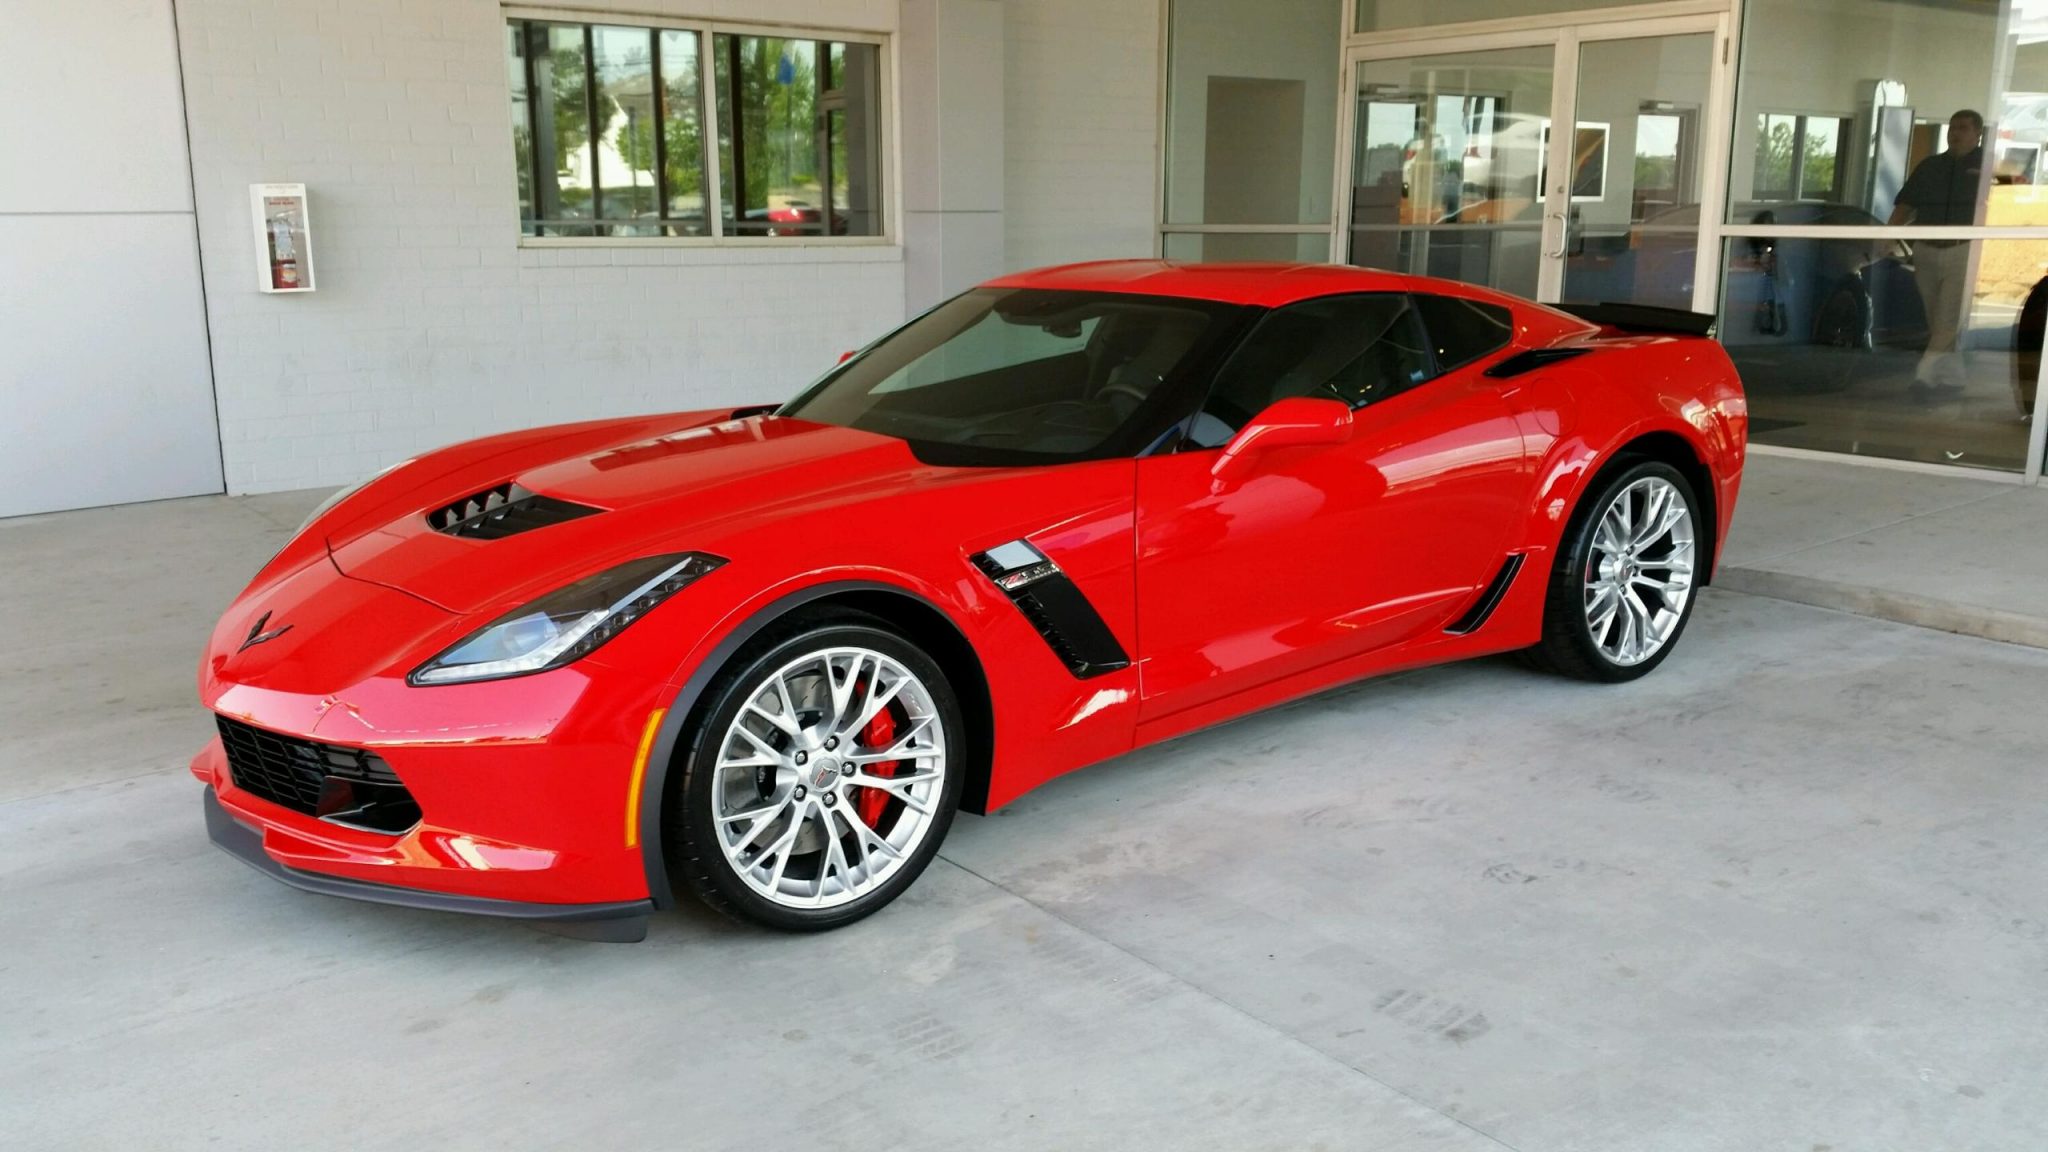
567, 624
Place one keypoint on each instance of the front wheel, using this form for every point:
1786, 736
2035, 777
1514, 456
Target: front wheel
822, 778
1622, 588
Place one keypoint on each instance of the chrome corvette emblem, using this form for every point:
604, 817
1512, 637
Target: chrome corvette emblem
258, 636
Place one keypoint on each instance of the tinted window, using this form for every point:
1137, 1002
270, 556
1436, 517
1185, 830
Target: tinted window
1357, 349
1464, 330
999, 376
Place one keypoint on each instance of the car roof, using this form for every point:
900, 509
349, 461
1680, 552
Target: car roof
1264, 285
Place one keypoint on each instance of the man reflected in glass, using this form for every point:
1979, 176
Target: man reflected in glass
1945, 189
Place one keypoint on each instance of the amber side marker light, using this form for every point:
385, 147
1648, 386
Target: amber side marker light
640, 771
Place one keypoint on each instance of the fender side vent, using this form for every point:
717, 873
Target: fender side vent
504, 510
1055, 607
1476, 616
1522, 363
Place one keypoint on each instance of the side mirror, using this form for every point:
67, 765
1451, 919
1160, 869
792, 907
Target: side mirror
1291, 423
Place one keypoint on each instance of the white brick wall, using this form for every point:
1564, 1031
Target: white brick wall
431, 323
1080, 129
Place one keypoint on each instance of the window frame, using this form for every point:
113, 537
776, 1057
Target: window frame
707, 111
1797, 191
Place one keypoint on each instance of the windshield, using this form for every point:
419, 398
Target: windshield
1014, 376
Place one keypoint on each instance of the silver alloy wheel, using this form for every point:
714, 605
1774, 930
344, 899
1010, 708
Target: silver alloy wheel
1639, 571
792, 770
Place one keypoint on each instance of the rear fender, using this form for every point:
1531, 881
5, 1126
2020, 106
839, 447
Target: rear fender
1625, 390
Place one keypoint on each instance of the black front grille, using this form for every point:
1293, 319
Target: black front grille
504, 510
345, 785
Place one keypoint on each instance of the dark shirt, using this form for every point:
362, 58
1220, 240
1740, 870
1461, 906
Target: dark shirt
1943, 189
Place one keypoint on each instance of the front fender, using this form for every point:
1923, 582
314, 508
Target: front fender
694, 676
1043, 720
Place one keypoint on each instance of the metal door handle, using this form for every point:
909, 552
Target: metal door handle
1564, 228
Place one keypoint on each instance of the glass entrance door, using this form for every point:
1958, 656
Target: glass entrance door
1637, 158
1457, 169
1446, 164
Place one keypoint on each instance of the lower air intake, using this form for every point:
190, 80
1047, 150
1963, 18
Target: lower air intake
348, 786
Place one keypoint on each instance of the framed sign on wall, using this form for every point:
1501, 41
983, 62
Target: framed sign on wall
284, 237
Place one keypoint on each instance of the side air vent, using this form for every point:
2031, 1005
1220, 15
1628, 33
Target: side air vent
1055, 607
1522, 363
1481, 611
504, 510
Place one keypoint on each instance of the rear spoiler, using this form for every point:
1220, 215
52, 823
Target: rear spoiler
1644, 318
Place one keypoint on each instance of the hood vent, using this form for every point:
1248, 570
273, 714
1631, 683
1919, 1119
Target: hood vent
504, 510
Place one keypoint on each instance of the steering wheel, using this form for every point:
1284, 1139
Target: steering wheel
1138, 390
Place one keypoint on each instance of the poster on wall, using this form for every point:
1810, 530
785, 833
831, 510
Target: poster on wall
284, 237
1589, 161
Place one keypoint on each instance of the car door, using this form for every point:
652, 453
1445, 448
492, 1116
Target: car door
1312, 554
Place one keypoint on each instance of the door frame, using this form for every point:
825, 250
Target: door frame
1564, 38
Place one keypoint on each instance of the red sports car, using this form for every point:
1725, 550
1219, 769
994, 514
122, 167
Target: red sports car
762, 655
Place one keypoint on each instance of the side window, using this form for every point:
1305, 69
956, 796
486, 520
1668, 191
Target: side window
1462, 331
1357, 349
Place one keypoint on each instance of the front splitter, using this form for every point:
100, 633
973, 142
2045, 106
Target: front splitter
621, 922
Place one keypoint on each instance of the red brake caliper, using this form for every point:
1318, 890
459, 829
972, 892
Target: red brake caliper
880, 733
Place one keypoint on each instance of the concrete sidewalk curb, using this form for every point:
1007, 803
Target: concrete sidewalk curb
1899, 607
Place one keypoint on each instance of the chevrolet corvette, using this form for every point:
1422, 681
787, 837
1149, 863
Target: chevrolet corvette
763, 655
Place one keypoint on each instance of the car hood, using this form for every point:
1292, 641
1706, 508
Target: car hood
638, 488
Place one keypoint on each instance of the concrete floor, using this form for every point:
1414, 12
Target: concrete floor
1954, 551
1785, 894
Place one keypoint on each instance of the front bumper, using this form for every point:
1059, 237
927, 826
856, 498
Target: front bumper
525, 788
623, 921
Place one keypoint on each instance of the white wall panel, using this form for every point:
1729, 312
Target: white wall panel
105, 390
89, 110
104, 396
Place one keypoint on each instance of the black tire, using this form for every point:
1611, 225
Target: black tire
1568, 646
699, 863
1842, 339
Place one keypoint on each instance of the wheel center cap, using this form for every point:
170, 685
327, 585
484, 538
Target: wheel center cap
824, 773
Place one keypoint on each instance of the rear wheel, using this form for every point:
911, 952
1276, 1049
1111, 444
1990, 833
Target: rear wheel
822, 778
1622, 588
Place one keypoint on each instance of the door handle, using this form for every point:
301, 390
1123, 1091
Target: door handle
1564, 240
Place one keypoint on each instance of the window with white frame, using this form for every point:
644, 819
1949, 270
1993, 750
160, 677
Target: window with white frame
608, 125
